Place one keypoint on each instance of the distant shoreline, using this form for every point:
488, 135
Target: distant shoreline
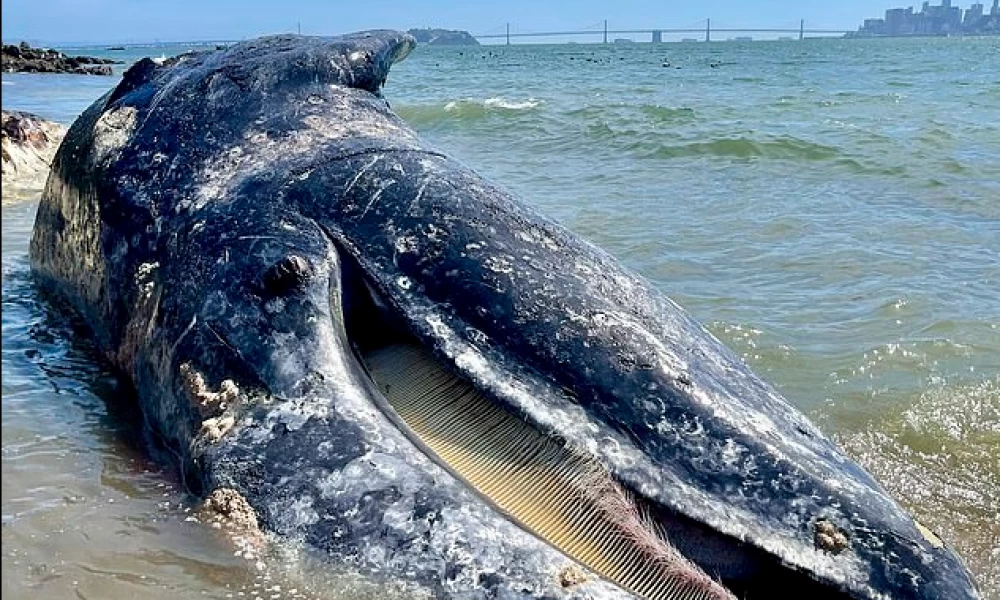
106, 46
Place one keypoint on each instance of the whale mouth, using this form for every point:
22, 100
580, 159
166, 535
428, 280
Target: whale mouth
562, 496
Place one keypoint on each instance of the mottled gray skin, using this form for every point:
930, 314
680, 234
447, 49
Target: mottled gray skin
258, 213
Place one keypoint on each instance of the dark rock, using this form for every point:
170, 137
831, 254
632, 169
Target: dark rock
25, 59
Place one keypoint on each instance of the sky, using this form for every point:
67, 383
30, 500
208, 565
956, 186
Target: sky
136, 21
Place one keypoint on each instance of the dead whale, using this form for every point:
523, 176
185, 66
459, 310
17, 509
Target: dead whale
398, 363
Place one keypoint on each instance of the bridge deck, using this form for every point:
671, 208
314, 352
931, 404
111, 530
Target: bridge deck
650, 32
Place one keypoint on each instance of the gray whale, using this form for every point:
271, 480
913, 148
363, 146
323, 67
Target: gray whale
398, 363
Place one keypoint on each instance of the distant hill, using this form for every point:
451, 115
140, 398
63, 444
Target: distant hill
444, 37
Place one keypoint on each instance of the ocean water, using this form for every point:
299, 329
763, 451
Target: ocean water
829, 208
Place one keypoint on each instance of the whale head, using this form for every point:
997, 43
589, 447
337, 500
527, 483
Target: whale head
399, 363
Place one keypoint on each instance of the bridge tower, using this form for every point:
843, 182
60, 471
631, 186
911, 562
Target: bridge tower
708, 30
508, 34
802, 29
605, 31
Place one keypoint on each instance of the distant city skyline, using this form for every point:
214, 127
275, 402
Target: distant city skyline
946, 18
139, 21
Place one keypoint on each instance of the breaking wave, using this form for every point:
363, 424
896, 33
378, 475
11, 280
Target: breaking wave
466, 109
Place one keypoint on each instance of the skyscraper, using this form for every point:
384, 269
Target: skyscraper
996, 8
899, 21
974, 14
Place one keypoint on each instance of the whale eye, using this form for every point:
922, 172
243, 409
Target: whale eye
290, 273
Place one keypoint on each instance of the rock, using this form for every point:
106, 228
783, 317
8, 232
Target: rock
29, 142
25, 59
443, 37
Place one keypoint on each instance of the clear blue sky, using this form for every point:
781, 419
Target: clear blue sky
103, 21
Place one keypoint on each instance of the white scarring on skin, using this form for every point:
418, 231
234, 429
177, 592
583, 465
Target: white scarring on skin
222, 170
143, 278
581, 433
112, 131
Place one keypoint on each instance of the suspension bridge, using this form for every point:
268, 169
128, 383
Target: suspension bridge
656, 34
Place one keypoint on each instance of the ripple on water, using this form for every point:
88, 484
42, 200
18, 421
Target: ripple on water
780, 147
668, 114
938, 457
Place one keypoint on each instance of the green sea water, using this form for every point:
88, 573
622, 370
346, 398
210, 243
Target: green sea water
829, 208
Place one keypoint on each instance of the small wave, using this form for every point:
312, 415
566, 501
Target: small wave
667, 114
602, 130
788, 148
484, 106
498, 102
586, 112
869, 169
951, 165
624, 114
465, 110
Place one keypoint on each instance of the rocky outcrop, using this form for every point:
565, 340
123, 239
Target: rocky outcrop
444, 37
28, 144
25, 59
